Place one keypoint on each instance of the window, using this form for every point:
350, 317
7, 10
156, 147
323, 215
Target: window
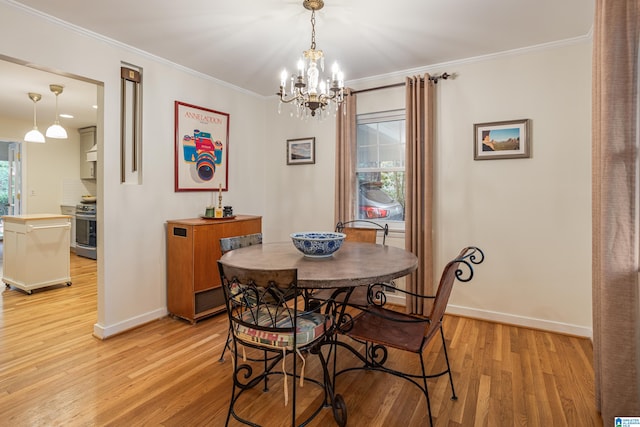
380, 162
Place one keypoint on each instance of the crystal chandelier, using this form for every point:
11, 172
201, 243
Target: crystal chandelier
308, 91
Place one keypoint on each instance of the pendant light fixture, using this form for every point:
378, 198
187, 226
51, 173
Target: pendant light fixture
55, 130
34, 135
309, 92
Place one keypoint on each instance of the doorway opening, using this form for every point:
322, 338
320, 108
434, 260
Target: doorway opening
9, 181
4, 193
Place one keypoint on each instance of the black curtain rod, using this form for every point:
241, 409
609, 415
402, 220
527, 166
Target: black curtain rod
443, 76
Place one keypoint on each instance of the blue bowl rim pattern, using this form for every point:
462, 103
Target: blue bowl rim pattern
312, 235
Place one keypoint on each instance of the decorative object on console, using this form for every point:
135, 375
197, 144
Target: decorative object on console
309, 92
218, 211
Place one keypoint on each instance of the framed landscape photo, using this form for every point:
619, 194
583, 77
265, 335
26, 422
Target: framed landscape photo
201, 148
502, 140
301, 151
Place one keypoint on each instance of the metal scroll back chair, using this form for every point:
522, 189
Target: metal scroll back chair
380, 328
265, 309
228, 244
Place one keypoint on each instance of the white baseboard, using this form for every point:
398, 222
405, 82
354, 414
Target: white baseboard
528, 322
103, 332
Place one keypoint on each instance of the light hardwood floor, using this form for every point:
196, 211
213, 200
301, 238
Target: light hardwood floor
53, 372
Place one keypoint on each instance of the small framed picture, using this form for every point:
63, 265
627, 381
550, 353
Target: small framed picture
502, 140
301, 151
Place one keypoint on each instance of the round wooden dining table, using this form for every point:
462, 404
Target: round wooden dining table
354, 264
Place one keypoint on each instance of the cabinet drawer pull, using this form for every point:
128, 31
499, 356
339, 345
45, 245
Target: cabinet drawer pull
31, 228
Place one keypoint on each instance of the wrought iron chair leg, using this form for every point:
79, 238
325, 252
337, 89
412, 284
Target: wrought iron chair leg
333, 352
226, 345
266, 377
446, 357
226, 423
426, 389
336, 401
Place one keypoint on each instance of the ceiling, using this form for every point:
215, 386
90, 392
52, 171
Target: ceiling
247, 43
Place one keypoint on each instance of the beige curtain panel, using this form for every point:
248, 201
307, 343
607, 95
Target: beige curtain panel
345, 159
419, 187
616, 310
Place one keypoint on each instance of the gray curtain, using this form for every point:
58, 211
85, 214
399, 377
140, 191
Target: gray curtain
616, 307
419, 187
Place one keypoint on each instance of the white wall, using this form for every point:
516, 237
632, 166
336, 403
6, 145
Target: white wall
131, 218
531, 216
300, 197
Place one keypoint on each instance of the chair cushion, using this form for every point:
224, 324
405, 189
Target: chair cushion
310, 327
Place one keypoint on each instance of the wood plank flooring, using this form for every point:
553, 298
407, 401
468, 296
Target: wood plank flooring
53, 372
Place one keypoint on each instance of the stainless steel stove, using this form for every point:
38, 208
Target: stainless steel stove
86, 230
88, 208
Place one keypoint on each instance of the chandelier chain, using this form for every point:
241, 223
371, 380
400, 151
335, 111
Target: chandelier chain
313, 29
308, 91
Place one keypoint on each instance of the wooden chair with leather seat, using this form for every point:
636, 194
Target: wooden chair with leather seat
382, 329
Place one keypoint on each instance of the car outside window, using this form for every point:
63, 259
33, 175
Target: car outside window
380, 164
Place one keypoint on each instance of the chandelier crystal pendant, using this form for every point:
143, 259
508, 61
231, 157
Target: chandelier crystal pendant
55, 130
308, 91
34, 135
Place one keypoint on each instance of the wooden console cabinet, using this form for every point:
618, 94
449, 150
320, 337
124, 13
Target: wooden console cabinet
194, 290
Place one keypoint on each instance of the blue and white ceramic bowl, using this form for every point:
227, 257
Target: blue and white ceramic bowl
317, 244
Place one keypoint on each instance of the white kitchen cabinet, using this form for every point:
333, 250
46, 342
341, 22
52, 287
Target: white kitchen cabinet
87, 140
71, 211
36, 251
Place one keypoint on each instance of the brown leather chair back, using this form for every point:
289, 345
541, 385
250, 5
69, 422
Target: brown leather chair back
360, 234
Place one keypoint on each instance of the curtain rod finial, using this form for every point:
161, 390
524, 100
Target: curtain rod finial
443, 76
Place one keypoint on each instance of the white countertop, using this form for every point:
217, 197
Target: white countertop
28, 217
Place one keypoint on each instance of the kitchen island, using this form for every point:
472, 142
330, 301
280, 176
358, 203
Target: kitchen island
36, 251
